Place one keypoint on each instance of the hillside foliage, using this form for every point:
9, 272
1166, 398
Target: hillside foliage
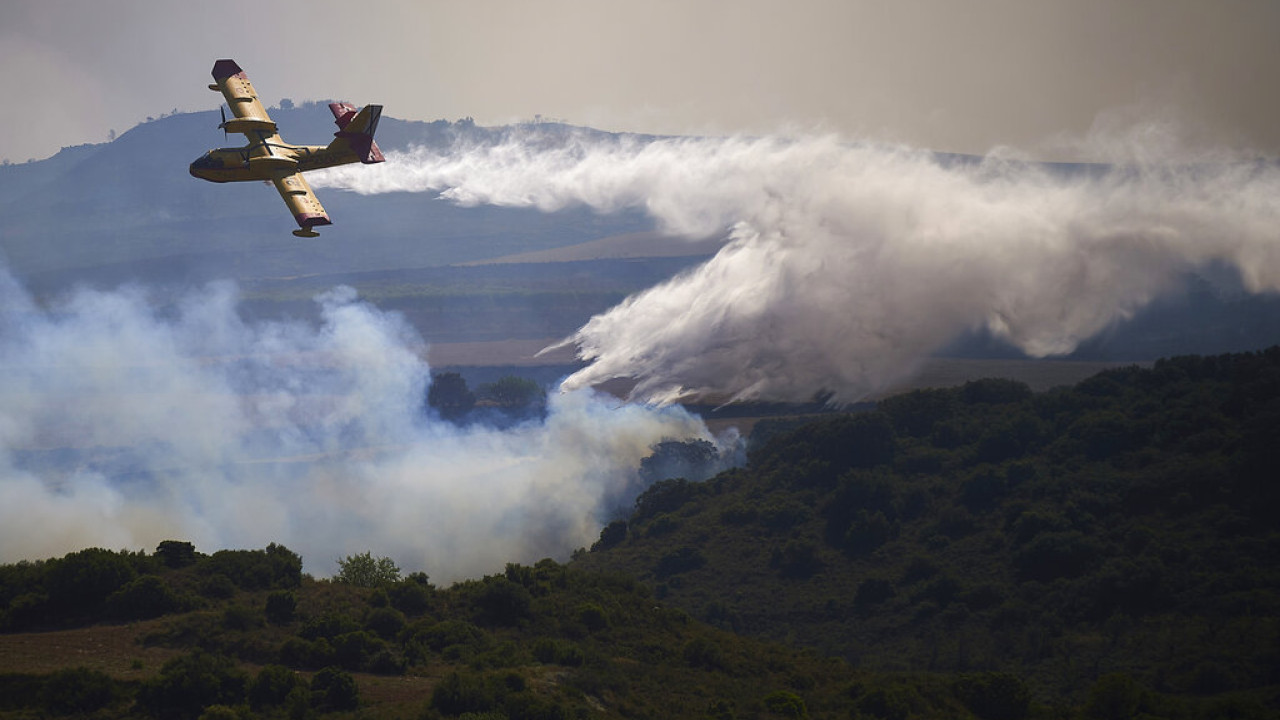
1101, 551
1119, 536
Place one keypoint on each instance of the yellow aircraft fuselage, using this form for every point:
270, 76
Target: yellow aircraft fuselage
236, 165
267, 157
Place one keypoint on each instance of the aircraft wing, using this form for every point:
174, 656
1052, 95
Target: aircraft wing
306, 208
234, 85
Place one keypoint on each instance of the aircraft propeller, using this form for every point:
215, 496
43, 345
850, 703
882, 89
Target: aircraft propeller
223, 125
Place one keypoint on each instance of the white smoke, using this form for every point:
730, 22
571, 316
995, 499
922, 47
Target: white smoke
121, 426
849, 263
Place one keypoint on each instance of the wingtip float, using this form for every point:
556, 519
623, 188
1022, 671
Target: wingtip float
266, 157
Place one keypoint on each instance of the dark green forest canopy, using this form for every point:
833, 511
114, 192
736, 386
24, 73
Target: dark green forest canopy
1124, 525
1101, 551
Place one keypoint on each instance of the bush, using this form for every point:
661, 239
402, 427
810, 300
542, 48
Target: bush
994, 695
189, 683
410, 597
798, 558
458, 694
282, 607
78, 691
334, 690
297, 652
664, 496
241, 617
1053, 555
328, 626
693, 459
142, 598
83, 580
353, 649
449, 396
1113, 697
786, 704
592, 617
872, 591
272, 686
611, 535
274, 567
503, 602
551, 651
217, 587
703, 653
678, 561
384, 622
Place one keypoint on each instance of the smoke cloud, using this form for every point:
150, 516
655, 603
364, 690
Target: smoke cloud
847, 264
122, 425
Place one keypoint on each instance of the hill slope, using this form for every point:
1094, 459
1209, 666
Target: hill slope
1126, 525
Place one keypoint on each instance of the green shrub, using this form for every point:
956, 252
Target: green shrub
702, 653
78, 691
384, 622
592, 617
334, 690
241, 617
872, 591
281, 608
1113, 697
143, 597
552, 651
217, 587
994, 695
82, 580
189, 683
328, 626
272, 686
410, 597
786, 704
274, 567
611, 535
503, 602
462, 693
353, 649
679, 561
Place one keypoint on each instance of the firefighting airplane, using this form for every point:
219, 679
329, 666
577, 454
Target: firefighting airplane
269, 158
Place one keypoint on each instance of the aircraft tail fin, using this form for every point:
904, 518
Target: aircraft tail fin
356, 129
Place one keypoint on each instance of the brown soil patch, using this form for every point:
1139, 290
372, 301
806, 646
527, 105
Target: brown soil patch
112, 649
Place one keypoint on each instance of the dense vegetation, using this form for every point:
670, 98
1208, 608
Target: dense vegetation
1119, 534
251, 637
1103, 551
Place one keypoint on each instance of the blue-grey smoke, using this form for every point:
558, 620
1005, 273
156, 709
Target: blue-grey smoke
121, 426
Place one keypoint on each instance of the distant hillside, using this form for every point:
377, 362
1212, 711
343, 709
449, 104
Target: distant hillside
1124, 528
128, 210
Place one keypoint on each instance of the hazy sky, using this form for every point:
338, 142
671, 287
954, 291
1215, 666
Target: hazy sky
938, 73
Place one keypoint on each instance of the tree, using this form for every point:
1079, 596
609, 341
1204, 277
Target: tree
146, 596
82, 580
449, 396
364, 570
175, 553
513, 392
